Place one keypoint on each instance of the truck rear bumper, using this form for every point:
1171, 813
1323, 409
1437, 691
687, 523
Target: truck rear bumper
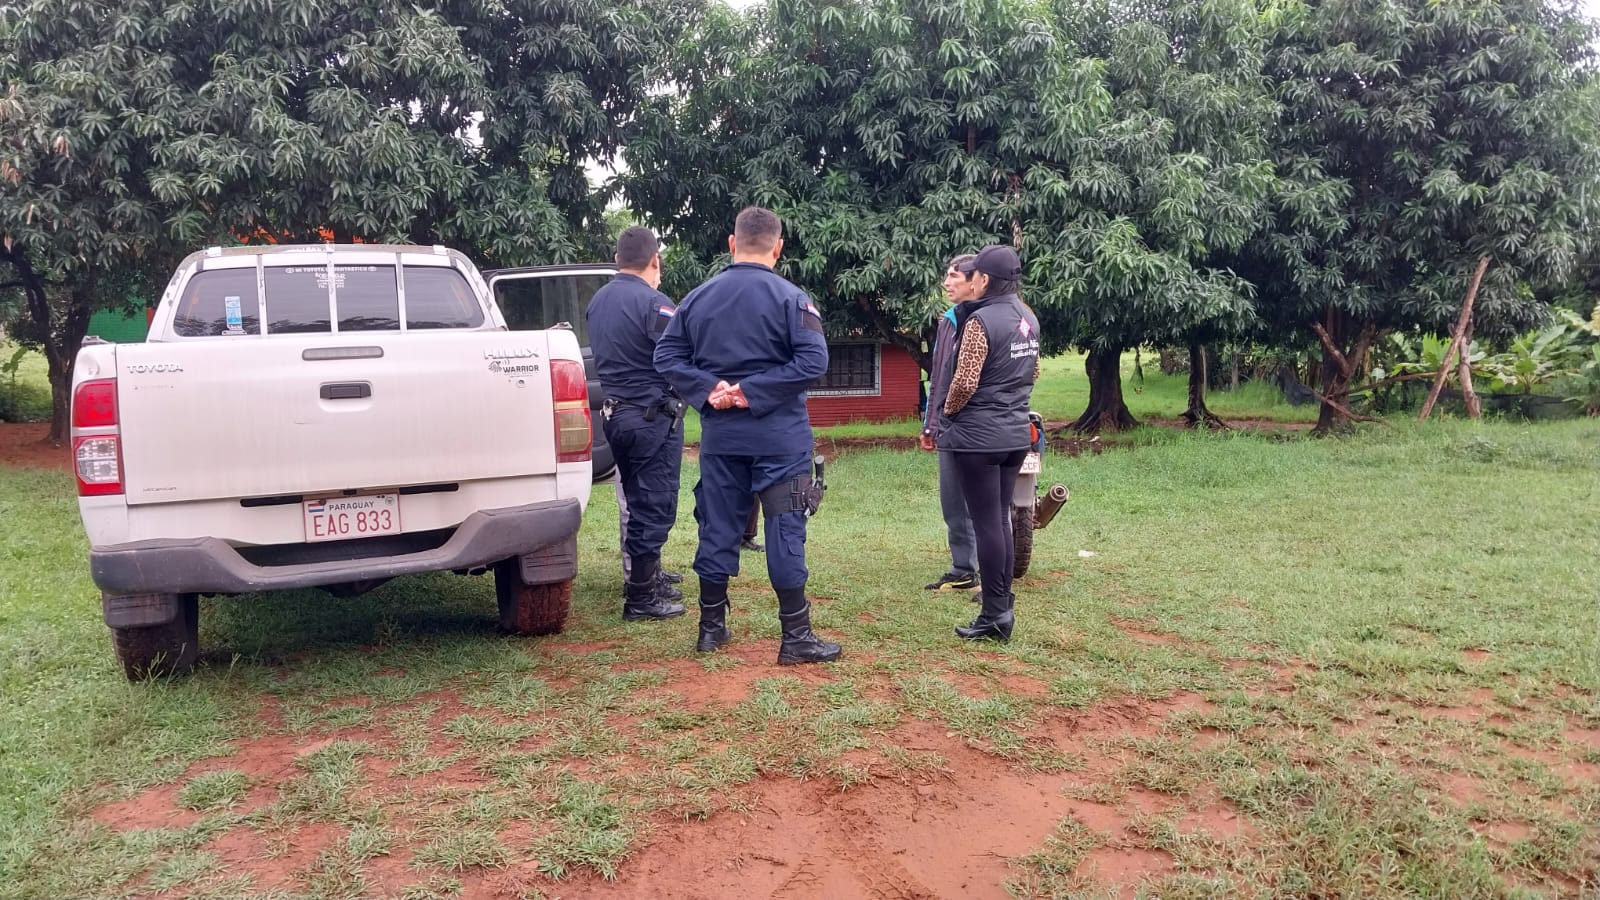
211, 566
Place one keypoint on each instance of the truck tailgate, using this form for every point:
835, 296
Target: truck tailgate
326, 413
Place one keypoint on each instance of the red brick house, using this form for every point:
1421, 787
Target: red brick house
866, 381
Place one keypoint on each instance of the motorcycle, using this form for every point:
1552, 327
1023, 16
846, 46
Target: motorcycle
1029, 511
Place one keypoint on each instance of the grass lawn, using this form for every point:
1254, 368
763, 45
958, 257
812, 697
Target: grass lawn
24, 394
1062, 394
1362, 667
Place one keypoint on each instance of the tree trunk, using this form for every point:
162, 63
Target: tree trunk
1107, 411
57, 336
1457, 345
1340, 366
60, 405
1470, 396
1197, 415
62, 341
1335, 386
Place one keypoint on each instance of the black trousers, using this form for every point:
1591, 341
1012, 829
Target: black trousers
649, 454
987, 481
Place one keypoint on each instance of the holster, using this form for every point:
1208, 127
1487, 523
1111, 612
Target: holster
801, 492
673, 406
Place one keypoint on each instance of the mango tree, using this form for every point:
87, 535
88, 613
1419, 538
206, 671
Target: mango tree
133, 132
1115, 148
1415, 139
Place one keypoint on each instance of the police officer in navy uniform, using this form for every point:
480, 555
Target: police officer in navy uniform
742, 350
640, 416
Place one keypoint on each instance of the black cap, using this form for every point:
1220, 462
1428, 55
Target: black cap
996, 261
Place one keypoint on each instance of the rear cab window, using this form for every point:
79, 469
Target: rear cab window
439, 297
223, 301
364, 297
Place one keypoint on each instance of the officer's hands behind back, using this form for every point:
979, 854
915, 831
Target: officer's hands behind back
727, 396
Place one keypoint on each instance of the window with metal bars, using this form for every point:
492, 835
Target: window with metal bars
853, 371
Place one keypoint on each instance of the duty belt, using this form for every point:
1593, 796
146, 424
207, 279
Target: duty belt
672, 406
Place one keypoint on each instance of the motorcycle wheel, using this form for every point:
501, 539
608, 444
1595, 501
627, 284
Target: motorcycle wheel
1022, 539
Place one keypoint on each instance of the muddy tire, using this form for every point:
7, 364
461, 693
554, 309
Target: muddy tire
1022, 538
530, 609
156, 651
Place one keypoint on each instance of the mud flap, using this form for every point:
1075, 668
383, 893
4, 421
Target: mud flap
549, 565
139, 610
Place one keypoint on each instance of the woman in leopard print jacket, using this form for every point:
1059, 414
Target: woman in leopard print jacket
984, 421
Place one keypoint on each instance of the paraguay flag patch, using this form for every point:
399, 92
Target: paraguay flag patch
667, 311
810, 317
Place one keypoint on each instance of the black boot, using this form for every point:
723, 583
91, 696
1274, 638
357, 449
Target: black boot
994, 621
713, 617
647, 598
664, 585
651, 562
800, 645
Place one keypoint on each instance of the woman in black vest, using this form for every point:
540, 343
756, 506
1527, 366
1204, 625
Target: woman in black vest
984, 421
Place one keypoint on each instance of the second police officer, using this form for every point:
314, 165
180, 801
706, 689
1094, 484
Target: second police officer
640, 417
742, 349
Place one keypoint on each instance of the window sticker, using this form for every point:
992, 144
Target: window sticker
235, 315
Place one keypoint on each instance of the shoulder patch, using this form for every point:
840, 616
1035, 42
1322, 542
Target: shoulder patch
666, 311
810, 316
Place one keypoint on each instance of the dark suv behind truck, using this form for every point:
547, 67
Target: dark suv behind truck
534, 298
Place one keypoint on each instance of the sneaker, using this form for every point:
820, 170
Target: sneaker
954, 581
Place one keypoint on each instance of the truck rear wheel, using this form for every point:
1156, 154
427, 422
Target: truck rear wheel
155, 651
530, 609
1021, 539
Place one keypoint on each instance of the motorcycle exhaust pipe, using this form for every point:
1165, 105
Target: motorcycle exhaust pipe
1050, 504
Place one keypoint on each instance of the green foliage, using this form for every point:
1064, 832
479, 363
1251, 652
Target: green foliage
132, 133
1116, 150
24, 386
469, 123
1583, 386
1416, 138
10, 367
1536, 358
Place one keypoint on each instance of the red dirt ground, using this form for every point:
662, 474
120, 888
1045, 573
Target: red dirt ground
949, 831
955, 829
23, 445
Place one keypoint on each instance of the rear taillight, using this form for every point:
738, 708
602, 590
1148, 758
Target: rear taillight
573, 426
96, 446
94, 404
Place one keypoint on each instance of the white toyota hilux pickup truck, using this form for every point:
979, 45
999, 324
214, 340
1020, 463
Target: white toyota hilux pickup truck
326, 416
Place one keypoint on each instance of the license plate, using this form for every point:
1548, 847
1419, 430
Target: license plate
345, 518
1030, 464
